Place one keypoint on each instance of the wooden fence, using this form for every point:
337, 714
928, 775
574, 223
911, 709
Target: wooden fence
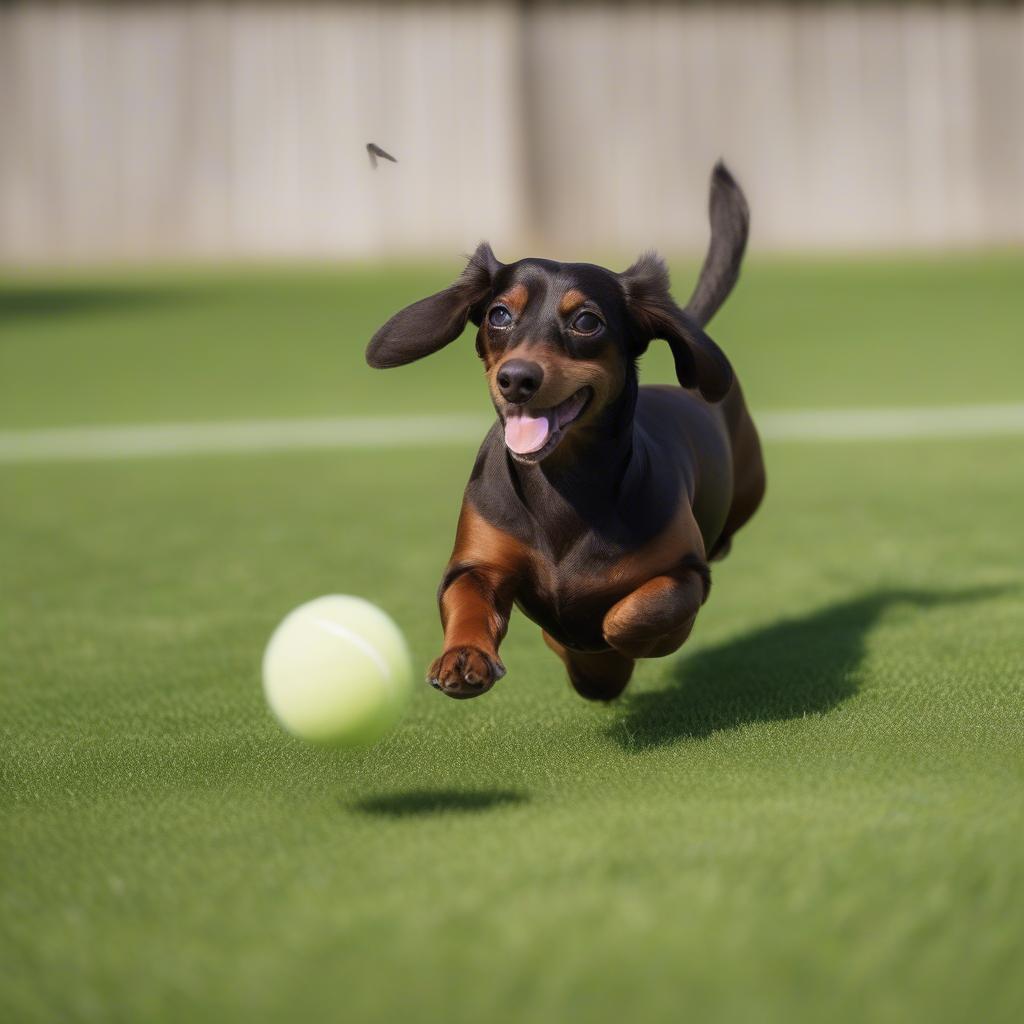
209, 130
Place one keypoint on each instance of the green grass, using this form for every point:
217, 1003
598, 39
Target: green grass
216, 345
814, 812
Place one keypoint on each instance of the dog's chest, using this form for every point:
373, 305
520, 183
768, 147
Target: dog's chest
569, 596
575, 560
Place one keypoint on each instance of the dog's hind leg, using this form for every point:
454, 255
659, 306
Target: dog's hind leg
597, 676
657, 617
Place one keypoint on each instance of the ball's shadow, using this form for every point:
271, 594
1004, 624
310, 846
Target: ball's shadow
422, 802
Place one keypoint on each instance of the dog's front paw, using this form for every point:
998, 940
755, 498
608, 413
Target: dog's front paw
465, 672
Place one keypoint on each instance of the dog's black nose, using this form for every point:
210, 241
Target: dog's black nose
518, 380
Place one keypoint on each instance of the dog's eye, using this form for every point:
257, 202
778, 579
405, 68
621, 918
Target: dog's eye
499, 317
586, 322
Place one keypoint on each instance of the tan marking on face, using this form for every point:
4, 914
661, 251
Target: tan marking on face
570, 300
564, 376
515, 299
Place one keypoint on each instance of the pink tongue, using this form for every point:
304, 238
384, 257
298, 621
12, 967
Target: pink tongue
525, 433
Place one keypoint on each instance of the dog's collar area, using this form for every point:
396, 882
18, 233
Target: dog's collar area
531, 435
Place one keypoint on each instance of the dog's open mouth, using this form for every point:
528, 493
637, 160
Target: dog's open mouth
530, 435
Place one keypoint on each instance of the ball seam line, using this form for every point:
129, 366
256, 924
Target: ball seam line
358, 641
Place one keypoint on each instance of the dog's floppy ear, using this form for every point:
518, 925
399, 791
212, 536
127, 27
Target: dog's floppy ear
700, 363
428, 325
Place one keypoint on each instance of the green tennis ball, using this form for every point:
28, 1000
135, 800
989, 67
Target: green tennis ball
337, 671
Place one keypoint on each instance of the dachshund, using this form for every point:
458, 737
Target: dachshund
594, 505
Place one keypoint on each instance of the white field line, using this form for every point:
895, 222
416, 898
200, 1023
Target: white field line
172, 439
152, 440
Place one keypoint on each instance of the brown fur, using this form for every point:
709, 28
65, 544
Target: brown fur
476, 605
571, 300
563, 377
515, 298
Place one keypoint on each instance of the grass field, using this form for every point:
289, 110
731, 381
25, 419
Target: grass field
814, 812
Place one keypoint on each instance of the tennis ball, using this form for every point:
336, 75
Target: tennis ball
337, 671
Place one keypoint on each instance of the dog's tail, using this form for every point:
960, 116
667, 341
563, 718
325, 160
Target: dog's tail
730, 225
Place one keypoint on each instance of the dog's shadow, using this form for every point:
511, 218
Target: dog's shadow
787, 670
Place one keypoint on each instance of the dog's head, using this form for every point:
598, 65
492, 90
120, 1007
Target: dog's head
559, 343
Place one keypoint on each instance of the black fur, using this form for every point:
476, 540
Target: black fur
700, 363
730, 226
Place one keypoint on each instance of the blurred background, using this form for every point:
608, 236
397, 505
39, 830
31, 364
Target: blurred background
198, 130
